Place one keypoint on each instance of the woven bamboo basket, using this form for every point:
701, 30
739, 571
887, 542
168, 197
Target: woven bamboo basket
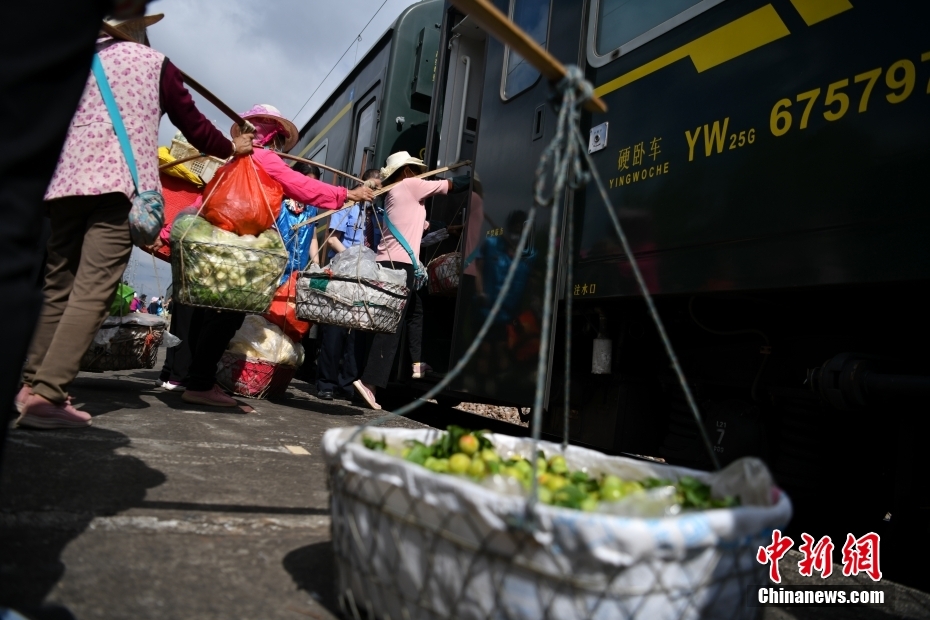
130, 347
444, 274
356, 303
225, 277
253, 378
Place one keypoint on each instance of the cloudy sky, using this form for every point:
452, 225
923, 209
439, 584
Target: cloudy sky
275, 52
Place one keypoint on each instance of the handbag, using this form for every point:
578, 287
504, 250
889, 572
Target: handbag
420, 273
147, 215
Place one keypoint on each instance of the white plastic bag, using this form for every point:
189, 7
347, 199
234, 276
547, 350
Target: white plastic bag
259, 339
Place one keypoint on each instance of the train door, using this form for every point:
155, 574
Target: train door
454, 122
515, 124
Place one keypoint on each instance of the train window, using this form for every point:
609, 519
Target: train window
619, 26
364, 134
533, 17
319, 156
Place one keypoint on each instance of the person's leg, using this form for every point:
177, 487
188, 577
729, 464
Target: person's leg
178, 359
415, 334
217, 330
68, 221
104, 256
348, 372
383, 348
333, 342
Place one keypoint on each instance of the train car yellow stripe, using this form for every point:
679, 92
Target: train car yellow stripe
747, 33
814, 11
329, 126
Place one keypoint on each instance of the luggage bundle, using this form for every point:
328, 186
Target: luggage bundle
126, 343
354, 292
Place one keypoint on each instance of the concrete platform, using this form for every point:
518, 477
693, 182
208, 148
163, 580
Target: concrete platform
163, 510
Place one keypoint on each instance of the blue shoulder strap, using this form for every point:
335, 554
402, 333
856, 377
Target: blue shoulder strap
400, 238
115, 117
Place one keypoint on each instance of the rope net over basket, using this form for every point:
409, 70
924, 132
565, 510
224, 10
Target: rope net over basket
410, 543
226, 277
252, 377
444, 274
356, 303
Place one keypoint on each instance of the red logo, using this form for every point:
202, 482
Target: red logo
774, 552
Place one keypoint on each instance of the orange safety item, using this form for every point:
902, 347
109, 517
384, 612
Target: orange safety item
283, 310
242, 198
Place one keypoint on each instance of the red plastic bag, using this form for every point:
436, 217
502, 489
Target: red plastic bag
242, 198
283, 310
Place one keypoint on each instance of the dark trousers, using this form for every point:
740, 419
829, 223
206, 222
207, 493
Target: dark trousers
210, 333
341, 354
178, 359
49, 72
384, 346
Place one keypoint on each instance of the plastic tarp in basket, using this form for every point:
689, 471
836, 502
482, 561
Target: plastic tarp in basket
354, 292
260, 339
218, 269
410, 543
444, 274
127, 343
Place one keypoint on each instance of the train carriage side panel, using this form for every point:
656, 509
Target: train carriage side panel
762, 145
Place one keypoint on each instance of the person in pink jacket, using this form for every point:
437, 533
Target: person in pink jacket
404, 206
211, 330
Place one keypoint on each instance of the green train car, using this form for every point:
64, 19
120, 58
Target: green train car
383, 105
768, 160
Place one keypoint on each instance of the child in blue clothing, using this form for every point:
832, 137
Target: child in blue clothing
301, 244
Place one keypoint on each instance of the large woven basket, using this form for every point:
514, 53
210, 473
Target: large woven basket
129, 348
253, 378
444, 274
225, 277
356, 303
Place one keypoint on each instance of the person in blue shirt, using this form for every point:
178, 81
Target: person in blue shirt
301, 243
342, 351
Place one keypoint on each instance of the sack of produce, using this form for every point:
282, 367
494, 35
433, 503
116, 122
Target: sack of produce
257, 338
444, 274
369, 304
127, 343
429, 524
242, 198
218, 269
283, 310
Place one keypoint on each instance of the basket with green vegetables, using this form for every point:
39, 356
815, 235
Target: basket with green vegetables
471, 454
218, 269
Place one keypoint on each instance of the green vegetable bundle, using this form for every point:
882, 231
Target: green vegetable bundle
218, 269
471, 454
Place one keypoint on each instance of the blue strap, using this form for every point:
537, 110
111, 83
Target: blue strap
400, 238
115, 117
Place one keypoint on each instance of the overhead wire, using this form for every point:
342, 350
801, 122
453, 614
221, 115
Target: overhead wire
355, 40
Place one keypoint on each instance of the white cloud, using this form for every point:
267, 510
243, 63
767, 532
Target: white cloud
270, 52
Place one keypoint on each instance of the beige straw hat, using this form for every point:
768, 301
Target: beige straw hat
134, 28
399, 160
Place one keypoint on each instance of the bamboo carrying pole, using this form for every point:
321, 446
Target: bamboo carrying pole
183, 160
323, 166
493, 21
383, 190
194, 84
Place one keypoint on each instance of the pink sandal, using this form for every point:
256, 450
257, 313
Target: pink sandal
366, 394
